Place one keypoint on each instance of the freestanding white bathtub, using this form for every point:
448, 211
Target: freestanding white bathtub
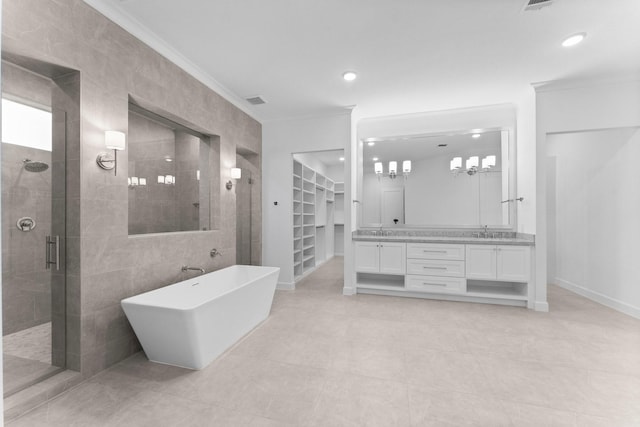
192, 322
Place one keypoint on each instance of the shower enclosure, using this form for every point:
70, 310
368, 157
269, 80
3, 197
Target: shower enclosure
33, 157
247, 198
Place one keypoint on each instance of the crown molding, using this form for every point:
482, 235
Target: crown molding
567, 84
151, 39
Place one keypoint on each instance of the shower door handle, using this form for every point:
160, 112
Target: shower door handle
55, 241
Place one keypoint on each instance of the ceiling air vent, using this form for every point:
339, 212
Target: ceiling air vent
537, 4
256, 100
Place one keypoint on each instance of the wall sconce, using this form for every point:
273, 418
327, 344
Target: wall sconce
488, 162
134, 182
377, 167
236, 173
166, 179
393, 169
456, 164
406, 167
472, 164
113, 140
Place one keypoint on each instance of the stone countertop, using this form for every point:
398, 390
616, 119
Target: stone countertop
520, 241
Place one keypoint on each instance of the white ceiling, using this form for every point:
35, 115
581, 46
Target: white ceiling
411, 55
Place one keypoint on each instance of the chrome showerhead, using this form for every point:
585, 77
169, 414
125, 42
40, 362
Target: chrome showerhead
33, 166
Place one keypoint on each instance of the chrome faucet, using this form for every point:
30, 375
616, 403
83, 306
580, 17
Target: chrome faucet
186, 268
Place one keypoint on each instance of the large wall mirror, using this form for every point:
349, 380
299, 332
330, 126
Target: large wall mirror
459, 179
169, 175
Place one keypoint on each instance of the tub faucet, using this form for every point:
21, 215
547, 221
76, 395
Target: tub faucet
186, 268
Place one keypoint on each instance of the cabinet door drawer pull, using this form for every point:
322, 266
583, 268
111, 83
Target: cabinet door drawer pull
437, 252
435, 268
434, 284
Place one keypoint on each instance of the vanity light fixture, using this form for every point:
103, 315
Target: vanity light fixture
393, 169
135, 181
456, 164
488, 162
198, 175
349, 76
371, 143
375, 159
472, 164
236, 173
476, 136
341, 159
406, 167
113, 140
166, 179
574, 39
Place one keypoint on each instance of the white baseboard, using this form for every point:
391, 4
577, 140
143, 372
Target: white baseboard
541, 306
348, 291
613, 303
285, 286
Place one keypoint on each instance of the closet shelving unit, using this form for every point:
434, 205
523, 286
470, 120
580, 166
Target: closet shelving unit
313, 198
338, 218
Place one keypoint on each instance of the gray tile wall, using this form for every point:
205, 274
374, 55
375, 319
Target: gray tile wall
107, 264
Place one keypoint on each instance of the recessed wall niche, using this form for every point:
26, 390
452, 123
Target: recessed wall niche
169, 175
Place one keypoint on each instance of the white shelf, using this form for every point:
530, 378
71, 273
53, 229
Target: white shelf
506, 290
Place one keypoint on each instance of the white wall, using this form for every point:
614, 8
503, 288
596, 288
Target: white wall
280, 140
578, 106
593, 232
526, 162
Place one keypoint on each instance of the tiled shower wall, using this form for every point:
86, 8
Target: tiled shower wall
26, 290
113, 65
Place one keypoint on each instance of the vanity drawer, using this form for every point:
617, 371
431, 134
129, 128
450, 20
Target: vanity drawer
435, 251
435, 284
435, 267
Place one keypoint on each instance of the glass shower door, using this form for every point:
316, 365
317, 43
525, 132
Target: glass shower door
33, 247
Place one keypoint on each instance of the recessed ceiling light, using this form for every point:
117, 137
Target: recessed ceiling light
375, 159
342, 159
349, 75
475, 135
371, 143
574, 39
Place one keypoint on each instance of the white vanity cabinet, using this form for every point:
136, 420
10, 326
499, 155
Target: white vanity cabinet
498, 262
435, 268
380, 257
469, 271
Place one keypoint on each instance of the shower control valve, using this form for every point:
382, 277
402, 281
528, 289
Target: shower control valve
26, 224
214, 252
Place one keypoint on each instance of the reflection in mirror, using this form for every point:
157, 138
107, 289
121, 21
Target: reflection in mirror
169, 186
451, 180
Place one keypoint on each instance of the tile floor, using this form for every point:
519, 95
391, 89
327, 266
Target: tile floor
26, 357
323, 359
